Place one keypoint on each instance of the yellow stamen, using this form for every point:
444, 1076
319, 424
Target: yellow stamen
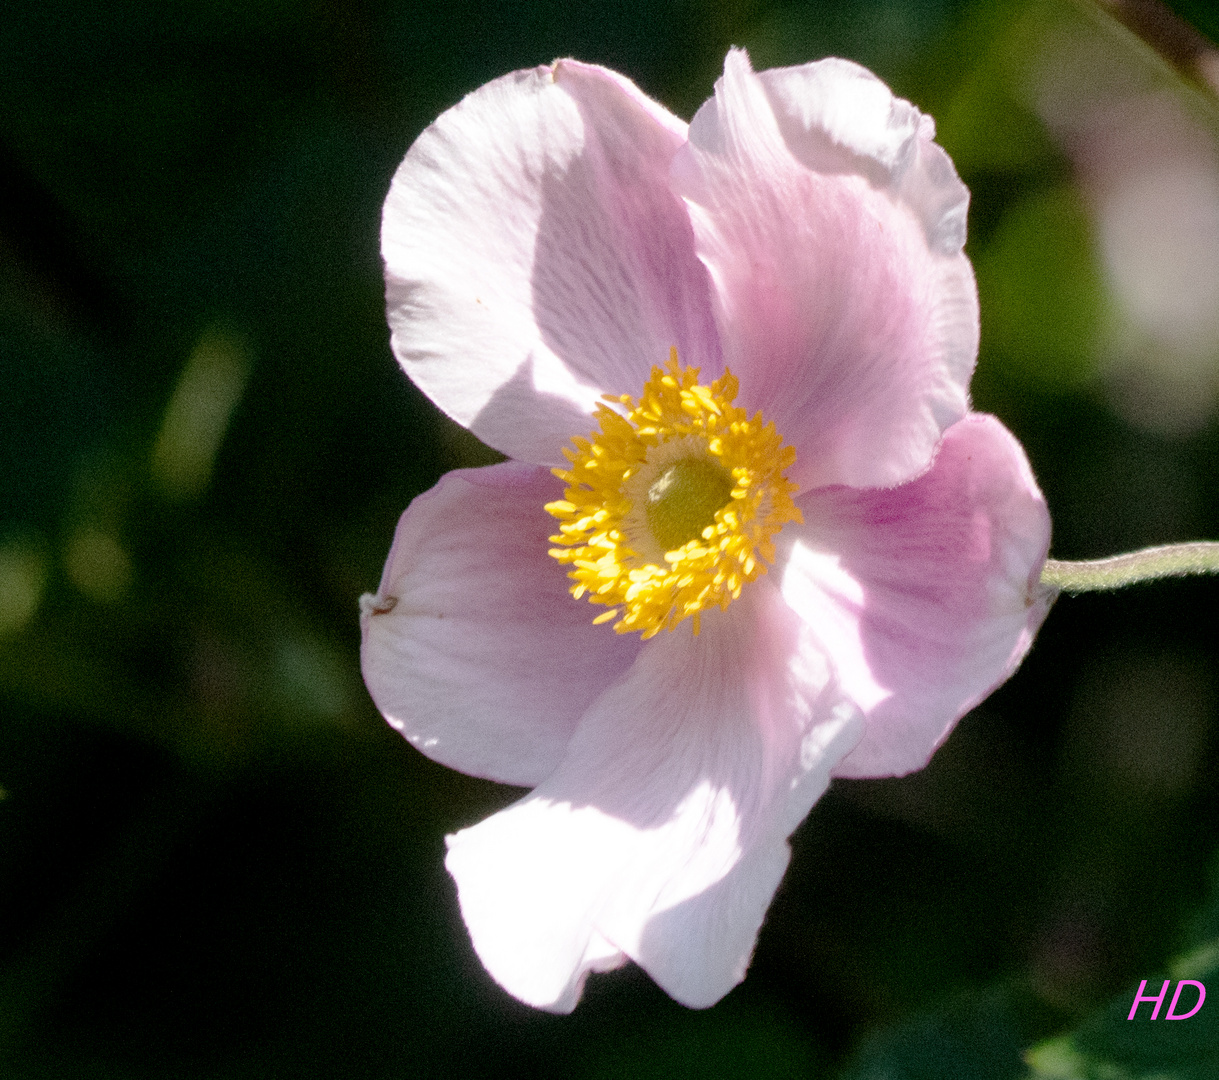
671, 508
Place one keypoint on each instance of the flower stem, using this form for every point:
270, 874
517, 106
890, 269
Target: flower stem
1171, 560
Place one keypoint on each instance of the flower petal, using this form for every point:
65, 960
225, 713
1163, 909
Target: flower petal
662, 835
832, 228
837, 117
472, 646
926, 596
535, 257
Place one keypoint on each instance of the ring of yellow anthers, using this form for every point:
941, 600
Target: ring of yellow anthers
670, 508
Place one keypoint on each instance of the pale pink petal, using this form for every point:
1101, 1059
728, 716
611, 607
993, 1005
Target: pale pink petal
472, 646
927, 596
662, 835
832, 227
535, 257
837, 117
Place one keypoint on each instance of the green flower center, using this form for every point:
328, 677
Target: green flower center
683, 499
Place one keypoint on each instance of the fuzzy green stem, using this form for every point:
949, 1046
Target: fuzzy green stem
1171, 560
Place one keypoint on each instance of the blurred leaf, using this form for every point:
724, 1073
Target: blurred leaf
973, 1037
1202, 14
883, 35
987, 125
1040, 289
1108, 1046
979, 1036
726, 1042
23, 574
198, 414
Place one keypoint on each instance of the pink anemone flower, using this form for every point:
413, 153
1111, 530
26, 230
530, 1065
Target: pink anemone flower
729, 362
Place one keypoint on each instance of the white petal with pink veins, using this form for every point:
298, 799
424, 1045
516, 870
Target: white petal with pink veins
849, 320
663, 832
836, 116
535, 257
926, 597
472, 646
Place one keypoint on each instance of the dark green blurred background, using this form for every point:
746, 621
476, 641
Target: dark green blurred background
216, 860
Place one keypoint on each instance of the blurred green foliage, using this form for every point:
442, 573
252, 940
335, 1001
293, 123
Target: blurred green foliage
1109, 1045
984, 1034
1044, 293
217, 861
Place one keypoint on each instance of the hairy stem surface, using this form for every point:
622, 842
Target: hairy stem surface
1170, 560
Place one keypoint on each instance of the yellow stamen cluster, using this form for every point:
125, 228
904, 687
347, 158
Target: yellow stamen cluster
650, 477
